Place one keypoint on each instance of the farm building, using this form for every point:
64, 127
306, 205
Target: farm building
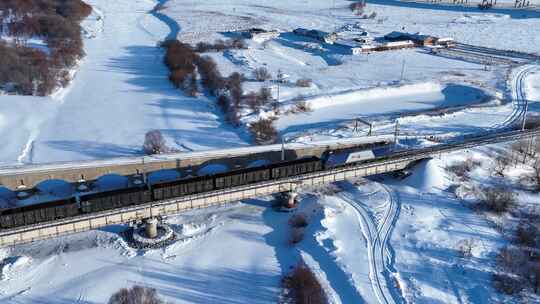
417, 38
316, 34
446, 42
259, 34
398, 45
352, 47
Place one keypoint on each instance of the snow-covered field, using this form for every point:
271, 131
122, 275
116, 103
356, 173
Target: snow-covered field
381, 240
120, 91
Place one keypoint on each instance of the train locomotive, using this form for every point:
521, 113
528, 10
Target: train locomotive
86, 203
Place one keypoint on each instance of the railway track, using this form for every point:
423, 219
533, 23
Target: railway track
476, 57
498, 53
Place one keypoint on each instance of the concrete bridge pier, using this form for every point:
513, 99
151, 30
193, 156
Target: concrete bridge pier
151, 228
289, 199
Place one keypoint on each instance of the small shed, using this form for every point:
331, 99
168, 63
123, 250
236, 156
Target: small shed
351, 46
317, 34
446, 42
259, 34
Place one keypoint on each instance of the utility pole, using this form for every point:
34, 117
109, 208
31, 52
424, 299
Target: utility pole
402, 70
525, 114
396, 133
279, 80
282, 149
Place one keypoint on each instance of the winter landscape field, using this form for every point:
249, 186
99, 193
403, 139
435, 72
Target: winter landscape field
462, 227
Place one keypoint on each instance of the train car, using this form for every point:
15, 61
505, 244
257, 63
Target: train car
242, 177
95, 202
166, 190
38, 213
344, 157
296, 167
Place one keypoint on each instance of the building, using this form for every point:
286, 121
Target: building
351, 46
259, 34
418, 39
396, 45
318, 35
446, 42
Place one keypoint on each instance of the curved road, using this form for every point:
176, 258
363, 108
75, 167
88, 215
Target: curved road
518, 96
377, 236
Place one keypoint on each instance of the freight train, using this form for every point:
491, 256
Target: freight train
145, 193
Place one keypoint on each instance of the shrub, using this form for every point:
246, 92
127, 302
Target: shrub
357, 7
154, 143
265, 95
263, 131
502, 161
302, 287
253, 101
304, 82
497, 200
135, 295
527, 235
506, 283
298, 220
220, 45
465, 247
210, 76
262, 74
302, 106
297, 235
234, 84
462, 169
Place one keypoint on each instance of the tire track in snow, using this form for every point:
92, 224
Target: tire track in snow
377, 236
518, 98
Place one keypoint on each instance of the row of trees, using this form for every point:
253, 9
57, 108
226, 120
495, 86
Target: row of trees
220, 45
185, 64
32, 71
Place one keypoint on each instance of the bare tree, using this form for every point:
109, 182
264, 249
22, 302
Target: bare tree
154, 143
465, 247
521, 151
265, 95
136, 295
498, 200
263, 131
302, 287
234, 85
534, 176
502, 162
262, 74
304, 82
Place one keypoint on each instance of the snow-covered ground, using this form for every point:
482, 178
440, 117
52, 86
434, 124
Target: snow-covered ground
120, 91
375, 241
226, 255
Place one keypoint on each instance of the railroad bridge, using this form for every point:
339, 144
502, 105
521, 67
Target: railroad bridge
70, 172
28, 176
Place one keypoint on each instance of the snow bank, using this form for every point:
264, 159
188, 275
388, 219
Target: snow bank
427, 176
11, 266
360, 96
532, 87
